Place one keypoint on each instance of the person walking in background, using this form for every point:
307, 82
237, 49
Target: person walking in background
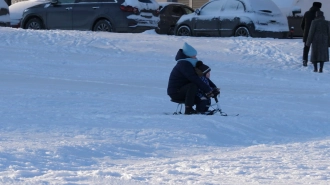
309, 16
319, 37
183, 83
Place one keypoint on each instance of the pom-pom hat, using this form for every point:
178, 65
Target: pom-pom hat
204, 68
189, 50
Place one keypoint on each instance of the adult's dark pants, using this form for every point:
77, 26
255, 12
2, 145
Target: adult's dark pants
321, 65
187, 94
306, 51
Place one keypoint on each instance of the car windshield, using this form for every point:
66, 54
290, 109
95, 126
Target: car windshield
187, 10
145, 1
142, 4
233, 5
213, 7
266, 6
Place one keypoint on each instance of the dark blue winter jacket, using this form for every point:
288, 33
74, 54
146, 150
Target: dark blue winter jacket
184, 73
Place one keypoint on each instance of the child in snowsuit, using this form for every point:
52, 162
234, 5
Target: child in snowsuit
202, 101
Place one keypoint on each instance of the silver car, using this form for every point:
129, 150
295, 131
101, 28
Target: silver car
225, 18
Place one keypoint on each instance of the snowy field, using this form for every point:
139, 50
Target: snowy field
82, 108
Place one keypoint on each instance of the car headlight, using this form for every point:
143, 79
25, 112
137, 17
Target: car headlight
26, 10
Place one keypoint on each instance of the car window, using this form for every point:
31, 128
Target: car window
145, 1
211, 8
66, 1
88, 1
177, 10
188, 10
233, 5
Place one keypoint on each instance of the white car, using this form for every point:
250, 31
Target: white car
288, 6
295, 10
4, 14
226, 18
16, 11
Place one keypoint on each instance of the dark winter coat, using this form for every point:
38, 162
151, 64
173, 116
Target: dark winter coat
306, 22
319, 37
184, 73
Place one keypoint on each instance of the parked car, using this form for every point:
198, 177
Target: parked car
294, 22
225, 18
16, 10
4, 14
169, 14
97, 15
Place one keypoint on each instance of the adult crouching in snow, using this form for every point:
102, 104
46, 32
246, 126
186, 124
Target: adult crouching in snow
183, 83
319, 37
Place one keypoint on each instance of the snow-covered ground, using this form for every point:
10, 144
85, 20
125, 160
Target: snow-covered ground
88, 108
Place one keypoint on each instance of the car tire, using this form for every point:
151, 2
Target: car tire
242, 32
103, 25
183, 31
34, 24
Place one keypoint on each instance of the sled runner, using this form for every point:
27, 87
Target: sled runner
178, 107
215, 108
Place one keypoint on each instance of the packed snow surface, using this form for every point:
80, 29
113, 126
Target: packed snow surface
81, 107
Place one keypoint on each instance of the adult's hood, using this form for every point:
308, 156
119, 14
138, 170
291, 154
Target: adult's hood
16, 10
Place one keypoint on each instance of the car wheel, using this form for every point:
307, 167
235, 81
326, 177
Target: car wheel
183, 31
34, 24
242, 32
103, 25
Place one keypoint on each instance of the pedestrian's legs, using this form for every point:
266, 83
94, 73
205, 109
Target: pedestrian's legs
315, 66
305, 54
321, 67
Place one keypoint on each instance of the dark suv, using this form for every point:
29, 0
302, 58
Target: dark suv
169, 14
95, 15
